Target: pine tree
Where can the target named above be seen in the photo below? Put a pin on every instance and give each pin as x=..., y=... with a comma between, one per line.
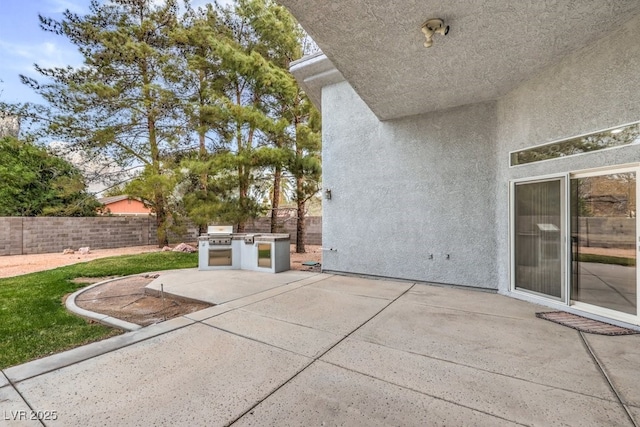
x=118, y=102
x=244, y=46
x=304, y=160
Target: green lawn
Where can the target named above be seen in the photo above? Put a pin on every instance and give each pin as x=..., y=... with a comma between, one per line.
x=33, y=320
x=607, y=259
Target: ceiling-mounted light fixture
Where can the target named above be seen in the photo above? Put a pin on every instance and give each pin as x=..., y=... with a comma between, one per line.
x=431, y=27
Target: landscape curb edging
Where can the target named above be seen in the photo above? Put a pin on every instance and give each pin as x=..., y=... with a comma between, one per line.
x=71, y=305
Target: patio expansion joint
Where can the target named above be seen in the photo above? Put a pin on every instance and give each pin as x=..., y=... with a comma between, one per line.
x=26, y=402
x=348, y=293
x=317, y=358
x=425, y=394
x=480, y=313
x=478, y=369
x=75, y=361
x=262, y=342
x=284, y=321
x=603, y=371
x=251, y=297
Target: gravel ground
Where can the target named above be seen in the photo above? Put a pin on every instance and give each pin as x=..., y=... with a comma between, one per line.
x=15, y=265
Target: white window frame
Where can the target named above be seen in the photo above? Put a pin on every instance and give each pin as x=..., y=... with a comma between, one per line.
x=564, y=255
x=594, y=309
x=566, y=250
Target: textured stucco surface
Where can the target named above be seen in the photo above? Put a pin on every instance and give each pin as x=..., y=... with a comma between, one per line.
x=492, y=46
x=405, y=189
x=594, y=88
x=438, y=183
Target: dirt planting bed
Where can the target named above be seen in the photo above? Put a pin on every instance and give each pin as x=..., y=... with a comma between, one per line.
x=125, y=299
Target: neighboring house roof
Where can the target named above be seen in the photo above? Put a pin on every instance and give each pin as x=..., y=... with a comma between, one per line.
x=490, y=49
x=124, y=205
x=113, y=199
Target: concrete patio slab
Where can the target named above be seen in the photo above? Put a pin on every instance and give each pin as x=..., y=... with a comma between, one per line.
x=14, y=412
x=386, y=289
x=635, y=413
x=329, y=311
x=621, y=356
x=510, y=398
x=253, y=298
x=3, y=380
x=298, y=339
x=220, y=286
x=431, y=355
x=471, y=300
x=530, y=349
x=210, y=312
x=66, y=358
x=329, y=395
x=193, y=376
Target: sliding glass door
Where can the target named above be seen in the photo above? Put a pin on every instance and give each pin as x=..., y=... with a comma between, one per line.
x=604, y=241
x=538, y=235
x=575, y=239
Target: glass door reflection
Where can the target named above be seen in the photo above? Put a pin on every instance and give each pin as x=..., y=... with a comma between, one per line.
x=603, y=235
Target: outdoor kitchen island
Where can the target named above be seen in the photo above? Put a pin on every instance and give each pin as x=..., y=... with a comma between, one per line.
x=221, y=249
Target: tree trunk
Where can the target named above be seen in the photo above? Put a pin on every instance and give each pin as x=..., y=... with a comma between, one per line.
x=161, y=219
x=158, y=198
x=300, y=224
x=204, y=176
x=275, y=201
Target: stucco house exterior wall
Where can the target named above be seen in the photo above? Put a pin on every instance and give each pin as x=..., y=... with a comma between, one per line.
x=427, y=197
x=421, y=186
x=597, y=87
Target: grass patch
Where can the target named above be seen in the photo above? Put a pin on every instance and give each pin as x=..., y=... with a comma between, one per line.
x=33, y=320
x=607, y=259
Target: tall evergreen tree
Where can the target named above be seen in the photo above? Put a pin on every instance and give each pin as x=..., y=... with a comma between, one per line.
x=199, y=82
x=242, y=46
x=304, y=160
x=297, y=139
x=118, y=101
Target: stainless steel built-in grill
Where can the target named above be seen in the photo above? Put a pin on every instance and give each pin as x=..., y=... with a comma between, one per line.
x=217, y=241
x=222, y=249
x=217, y=247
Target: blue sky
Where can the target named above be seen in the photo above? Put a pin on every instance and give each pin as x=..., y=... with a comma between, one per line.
x=23, y=43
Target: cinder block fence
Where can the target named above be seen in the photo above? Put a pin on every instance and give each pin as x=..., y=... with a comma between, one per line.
x=37, y=235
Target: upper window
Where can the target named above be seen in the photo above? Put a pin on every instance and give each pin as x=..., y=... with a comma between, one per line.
x=623, y=135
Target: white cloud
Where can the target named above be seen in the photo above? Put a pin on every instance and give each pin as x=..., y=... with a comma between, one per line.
x=46, y=54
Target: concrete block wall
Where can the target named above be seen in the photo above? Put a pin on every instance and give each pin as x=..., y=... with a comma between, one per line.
x=37, y=235
x=313, y=228
x=34, y=235
x=614, y=232
x=10, y=236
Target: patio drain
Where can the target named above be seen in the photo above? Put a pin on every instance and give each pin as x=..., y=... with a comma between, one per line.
x=583, y=324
